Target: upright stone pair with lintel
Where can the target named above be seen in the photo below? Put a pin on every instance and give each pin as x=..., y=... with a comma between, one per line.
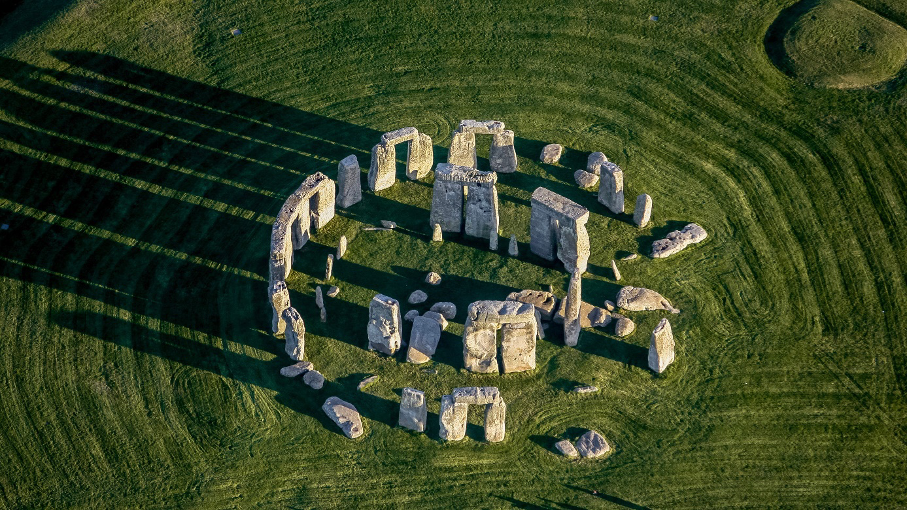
x=382, y=171
x=452, y=182
x=517, y=322
x=558, y=228
x=502, y=155
x=452, y=417
x=310, y=206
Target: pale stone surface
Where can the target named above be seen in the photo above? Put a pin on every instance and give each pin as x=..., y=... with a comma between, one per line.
x=558, y=229
x=349, y=182
x=384, y=324
x=388, y=224
x=572, y=311
x=424, y=339
x=280, y=301
x=494, y=423
x=502, y=156
x=437, y=317
x=333, y=291
x=598, y=317
x=615, y=272
x=543, y=301
x=592, y=444
x=452, y=419
x=661, y=347
x=433, y=278
x=590, y=316
x=297, y=369
x=314, y=379
x=447, y=309
x=500, y=312
x=329, y=267
x=481, y=215
x=294, y=334
x=594, y=161
x=479, y=353
x=419, y=157
x=643, y=209
x=341, y=247
x=609, y=305
x=345, y=415
x=611, y=188
x=319, y=299
x=632, y=256
x=412, y=414
x=366, y=382
x=518, y=346
x=481, y=127
x=436, y=233
x=624, y=326
x=412, y=314
x=585, y=179
x=463, y=149
x=448, y=208
x=417, y=297
x=512, y=246
x=566, y=448
x=493, y=240
x=383, y=166
x=476, y=395
x=678, y=240
x=400, y=135
x=638, y=299
x=551, y=153
x=585, y=389
x=310, y=206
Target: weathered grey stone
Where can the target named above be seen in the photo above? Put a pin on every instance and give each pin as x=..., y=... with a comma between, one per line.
x=615, y=272
x=388, y=224
x=643, y=209
x=314, y=379
x=678, y=240
x=543, y=301
x=502, y=155
x=447, y=309
x=433, y=278
x=609, y=305
x=594, y=161
x=484, y=127
x=448, y=199
x=424, y=339
x=592, y=444
x=341, y=247
x=624, y=326
x=412, y=314
x=310, y=206
x=333, y=291
x=436, y=233
x=400, y=135
x=345, y=415
x=661, y=347
x=383, y=166
x=590, y=316
x=280, y=301
x=512, y=246
x=319, y=299
x=437, y=317
x=329, y=267
x=452, y=419
x=323, y=314
x=518, y=346
x=611, y=188
x=551, y=153
x=494, y=423
x=638, y=299
x=297, y=369
x=384, y=324
x=419, y=157
x=294, y=334
x=632, y=256
x=413, y=410
x=479, y=354
x=540, y=328
x=493, y=240
x=417, y=297
x=598, y=317
x=366, y=382
x=500, y=312
x=585, y=389
x=566, y=448
x=585, y=179
x=481, y=215
x=557, y=228
x=349, y=182
x=476, y=395
x=572, y=311
x=463, y=149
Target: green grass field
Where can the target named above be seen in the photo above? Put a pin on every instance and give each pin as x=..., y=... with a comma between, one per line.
x=144, y=151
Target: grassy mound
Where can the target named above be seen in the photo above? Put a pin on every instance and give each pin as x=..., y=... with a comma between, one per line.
x=837, y=43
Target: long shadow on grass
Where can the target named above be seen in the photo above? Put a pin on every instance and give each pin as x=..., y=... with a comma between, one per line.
x=611, y=499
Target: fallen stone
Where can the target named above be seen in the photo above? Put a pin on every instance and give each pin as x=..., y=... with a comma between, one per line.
x=661, y=347
x=566, y=448
x=447, y=309
x=594, y=161
x=678, y=240
x=609, y=305
x=585, y=179
x=296, y=370
x=436, y=233
x=598, y=317
x=643, y=209
x=475, y=395
x=314, y=379
x=592, y=444
x=366, y=382
x=333, y=291
x=585, y=389
x=412, y=314
x=624, y=326
x=384, y=324
x=639, y=299
x=388, y=224
x=417, y=297
x=319, y=299
x=341, y=247
x=412, y=414
x=494, y=423
x=437, y=317
x=424, y=339
x=512, y=246
x=590, y=316
x=329, y=267
x=433, y=278
x=632, y=256
x=551, y=153
x=349, y=182
x=615, y=272
x=543, y=301
x=294, y=334
x=452, y=419
x=345, y=415
x=383, y=229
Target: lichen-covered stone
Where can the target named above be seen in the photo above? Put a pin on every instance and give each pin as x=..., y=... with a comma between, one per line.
x=297, y=369
x=447, y=309
x=341, y=247
x=479, y=352
x=349, y=182
x=592, y=444
x=494, y=423
x=319, y=298
x=424, y=339
x=615, y=272
x=452, y=419
x=412, y=414
x=572, y=311
x=678, y=240
x=624, y=326
x=594, y=161
x=419, y=157
x=329, y=267
x=433, y=278
x=476, y=395
x=512, y=246
x=661, y=347
x=611, y=187
x=481, y=214
x=384, y=324
x=566, y=448
x=383, y=167
x=502, y=156
x=417, y=297
x=345, y=415
x=639, y=299
x=280, y=301
x=314, y=379
x=643, y=209
x=436, y=233
x=551, y=153
x=437, y=317
x=558, y=229
x=544, y=302
x=463, y=149
x=585, y=179
x=518, y=346
x=294, y=334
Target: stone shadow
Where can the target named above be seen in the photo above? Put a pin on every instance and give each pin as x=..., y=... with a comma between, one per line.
x=611, y=499
x=645, y=243
x=610, y=347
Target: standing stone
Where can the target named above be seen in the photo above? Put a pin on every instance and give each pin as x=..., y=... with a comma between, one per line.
x=551, y=153
x=558, y=229
x=661, y=347
x=615, y=272
x=314, y=379
x=419, y=157
x=319, y=298
x=323, y=314
x=592, y=444
x=447, y=200
x=479, y=353
x=345, y=415
x=452, y=419
x=493, y=240
x=594, y=161
x=294, y=334
x=413, y=412
x=436, y=233
x=494, y=423
x=349, y=182
x=566, y=448
x=611, y=188
x=643, y=210
x=572, y=311
x=463, y=149
x=481, y=215
x=424, y=339
x=502, y=156
x=280, y=301
x=384, y=324
x=382, y=169
x=512, y=246
x=518, y=346
x=678, y=240
x=329, y=267
x=341, y=247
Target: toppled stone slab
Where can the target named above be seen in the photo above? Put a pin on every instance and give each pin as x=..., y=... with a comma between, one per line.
x=594, y=161
x=592, y=444
x=412, y=414
x=544, y=302
x=345, y=415
x=475, y=395
x=417, y=297
x=333, y=291
x=366, y=382
x=314, y=379
x=639, y=299
x=661, y=347
x=678, y=240
x=433, y=278
x=297, y=369
x=447, y=309
x=585, y=179
x=388, y=224
x=384, y=324
x=611, y=187
x=424, y=339
x=437, y=317
x=412, y=314
x=643, y=209
x=294, y=334
x=452, y=419
x=551, y=153
x=494, y=422
x=590, y=316
x=632, y=256
x=624, y=326
x=585, y=389
x=566, y=448
x=349, y=182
